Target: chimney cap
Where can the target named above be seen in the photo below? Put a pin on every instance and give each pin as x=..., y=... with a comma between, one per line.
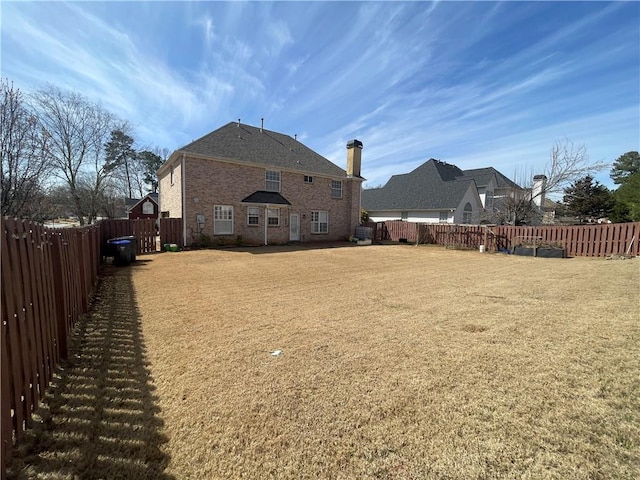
x=540, y=177
x=354, y=143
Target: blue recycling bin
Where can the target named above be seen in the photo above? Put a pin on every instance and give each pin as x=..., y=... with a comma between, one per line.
x=121, y=251
x=134, y=245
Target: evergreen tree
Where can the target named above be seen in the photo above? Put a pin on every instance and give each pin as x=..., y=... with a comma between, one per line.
x=588, y=200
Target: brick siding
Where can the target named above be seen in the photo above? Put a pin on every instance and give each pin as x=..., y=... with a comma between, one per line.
x=211, y=182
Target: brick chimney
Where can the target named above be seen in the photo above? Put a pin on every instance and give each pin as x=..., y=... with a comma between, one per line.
x=354, y=158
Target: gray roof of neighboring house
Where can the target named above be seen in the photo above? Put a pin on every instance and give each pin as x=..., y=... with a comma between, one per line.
x=244, y=143
x=482, y=176
x=434, y=185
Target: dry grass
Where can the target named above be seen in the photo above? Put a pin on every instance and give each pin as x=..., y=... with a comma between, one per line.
x=397, y=362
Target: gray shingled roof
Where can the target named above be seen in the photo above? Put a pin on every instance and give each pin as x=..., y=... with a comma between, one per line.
x=245, y=143
x=434, y=185
x=482, y=177
x=270, y=198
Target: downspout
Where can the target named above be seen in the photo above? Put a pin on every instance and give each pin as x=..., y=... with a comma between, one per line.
x=183, y=181
x=266, y=223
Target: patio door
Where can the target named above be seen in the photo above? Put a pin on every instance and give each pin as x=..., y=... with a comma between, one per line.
x=294, y=227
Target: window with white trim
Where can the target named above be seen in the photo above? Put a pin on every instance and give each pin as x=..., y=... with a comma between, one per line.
x=273, y=217
x=444, y=217
x=171, y=175
x=336, y=188
x=222, y=219
x=308, y=179
x=253, y=216
x=147, y=208
x=467, y=213
x=272, y=181
x=319, y=221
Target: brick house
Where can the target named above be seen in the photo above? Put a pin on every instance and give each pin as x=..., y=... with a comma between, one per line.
x=246, y=184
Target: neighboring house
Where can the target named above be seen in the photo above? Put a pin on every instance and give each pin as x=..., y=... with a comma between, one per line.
x=146, y=207
x=438, y=192
x=246, y=184
x=121, y=210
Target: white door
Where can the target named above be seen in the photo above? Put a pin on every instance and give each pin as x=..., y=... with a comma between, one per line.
x=294, y=227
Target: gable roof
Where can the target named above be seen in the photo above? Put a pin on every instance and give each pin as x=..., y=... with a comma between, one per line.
x=434, y=185
x=246, y=144
x=482, y=177
x=131, y=203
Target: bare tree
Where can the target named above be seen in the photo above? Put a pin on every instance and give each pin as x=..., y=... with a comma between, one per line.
x=567, y=163
x=24, y=167
x=76, y=131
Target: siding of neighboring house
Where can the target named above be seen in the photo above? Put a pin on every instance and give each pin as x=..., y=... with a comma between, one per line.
x=471, y=197
x=170, y=191
x=482, y=192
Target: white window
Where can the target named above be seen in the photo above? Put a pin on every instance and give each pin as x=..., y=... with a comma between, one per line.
x=147, y=208
x=272, y=181
x=336, y=188
x=171, y=176
x=444, y=217
x=308, y=179
x=222, y=220
x=253, y=215
x=319, y=221
x=467, y=213
x=488, y=200
x=273, y=217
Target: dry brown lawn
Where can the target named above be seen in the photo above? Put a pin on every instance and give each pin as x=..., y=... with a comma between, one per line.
x=397, y=362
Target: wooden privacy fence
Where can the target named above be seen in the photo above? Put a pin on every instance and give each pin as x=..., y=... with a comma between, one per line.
x=144, y=229
x=171, y=231
x=48, y=276
x=578, y=240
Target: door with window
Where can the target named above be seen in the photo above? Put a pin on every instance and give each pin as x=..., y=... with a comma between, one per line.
x=294, y=227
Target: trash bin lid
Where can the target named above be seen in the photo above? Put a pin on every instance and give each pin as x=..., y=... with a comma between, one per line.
x=119, y=242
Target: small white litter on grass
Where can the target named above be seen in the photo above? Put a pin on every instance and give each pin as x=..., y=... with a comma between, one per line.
x=275, y=353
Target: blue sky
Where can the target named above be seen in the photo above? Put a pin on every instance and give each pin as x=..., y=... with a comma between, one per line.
x=475, y=84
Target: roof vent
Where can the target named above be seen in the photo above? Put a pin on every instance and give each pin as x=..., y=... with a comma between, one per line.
x=261, y=124
x=238, y=122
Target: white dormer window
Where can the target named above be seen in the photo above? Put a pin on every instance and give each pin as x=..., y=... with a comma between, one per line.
x=147, y=208
x=272, y=181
